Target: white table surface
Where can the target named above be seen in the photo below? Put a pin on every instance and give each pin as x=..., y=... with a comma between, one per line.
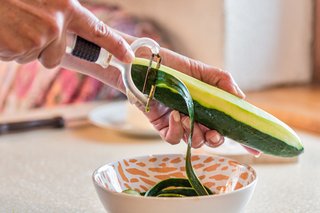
x=50, y=171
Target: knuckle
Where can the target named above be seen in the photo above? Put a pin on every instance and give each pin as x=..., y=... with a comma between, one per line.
x=227, y=76
x=50, y=64
x=196, y=68
x=16, y=50
x=101, y=29
x=120, y=43
x=196, y=65
x=67, y=6
x=6, y=58
x=121, y=48
x=53, y=29
x=37, y=43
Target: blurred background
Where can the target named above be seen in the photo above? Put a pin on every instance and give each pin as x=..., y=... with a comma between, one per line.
x=264, y=44
x=272, y=49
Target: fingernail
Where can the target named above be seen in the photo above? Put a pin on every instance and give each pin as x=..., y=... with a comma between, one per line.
x=252, y=151
x=186, y=123
x=198, y=145
x=238, y=91
x=257, y=155
x=215, y=139
x=176, y=116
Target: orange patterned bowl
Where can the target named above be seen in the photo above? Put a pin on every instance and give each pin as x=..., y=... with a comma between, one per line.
x=232, y=182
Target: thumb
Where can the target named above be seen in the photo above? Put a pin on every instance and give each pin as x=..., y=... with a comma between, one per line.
x=88, y=26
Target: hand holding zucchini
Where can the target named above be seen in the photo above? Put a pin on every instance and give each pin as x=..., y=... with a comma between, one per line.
x=219, y=110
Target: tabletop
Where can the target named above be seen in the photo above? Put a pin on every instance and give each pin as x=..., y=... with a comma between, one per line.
x=50, y=171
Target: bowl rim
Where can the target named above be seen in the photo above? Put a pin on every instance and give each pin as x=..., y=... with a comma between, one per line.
x=252, y=184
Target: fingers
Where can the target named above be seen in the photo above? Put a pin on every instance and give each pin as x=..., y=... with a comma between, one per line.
x=201, y=135
x=225, y=81
x=213, y=138
x=51, y=56
x=85, y=24
x=173, y=127
x=198, y=137
x=167, y=122
x=201, y=71
x=175, y=131
x=215, y=77
x=252, y=151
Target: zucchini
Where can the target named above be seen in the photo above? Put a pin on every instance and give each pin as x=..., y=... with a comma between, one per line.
x=186, y=191
x=229, y=115
x=174, y=186
x=177, y=86
x=131, y=192
x=170, y=195
x=176, y=182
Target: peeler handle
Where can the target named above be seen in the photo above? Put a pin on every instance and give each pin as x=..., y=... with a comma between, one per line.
x=85, y=50
x=89, y=51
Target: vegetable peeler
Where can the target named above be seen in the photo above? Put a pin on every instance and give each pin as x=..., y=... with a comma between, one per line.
x=91, y=52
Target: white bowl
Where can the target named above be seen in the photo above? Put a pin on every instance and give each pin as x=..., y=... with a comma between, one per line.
x=232, y=182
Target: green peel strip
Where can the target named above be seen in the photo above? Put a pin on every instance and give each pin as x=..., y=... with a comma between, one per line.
x=192, y=185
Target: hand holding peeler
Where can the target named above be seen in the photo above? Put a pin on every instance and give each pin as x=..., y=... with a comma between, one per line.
x=91, y=52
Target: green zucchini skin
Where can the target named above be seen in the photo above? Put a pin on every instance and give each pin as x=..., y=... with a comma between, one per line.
x=212, y=118
x=177, y=182
x=161, y=188
x=131, y=192
x=170, y=195
x=186, y=191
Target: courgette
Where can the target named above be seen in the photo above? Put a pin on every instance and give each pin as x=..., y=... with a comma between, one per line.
x=131, y=192
x=229, y=115
x=175, y=186
x=186, y=191
x=171, y=182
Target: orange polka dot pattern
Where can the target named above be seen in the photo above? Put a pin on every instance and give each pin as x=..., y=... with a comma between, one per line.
x=219, y=174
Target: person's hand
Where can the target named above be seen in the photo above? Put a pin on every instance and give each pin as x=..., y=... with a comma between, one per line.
x=32, y=29
x=172, y=125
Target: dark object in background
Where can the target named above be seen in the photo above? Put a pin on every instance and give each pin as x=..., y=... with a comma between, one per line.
x=55, y=122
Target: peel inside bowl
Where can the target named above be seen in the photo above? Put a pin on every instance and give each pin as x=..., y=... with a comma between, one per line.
x=233, y=182
x=220, y=174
